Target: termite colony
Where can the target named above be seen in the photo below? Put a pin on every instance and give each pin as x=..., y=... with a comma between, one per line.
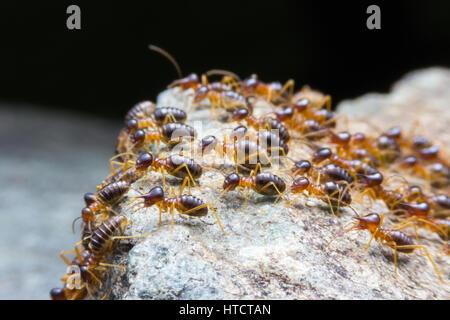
x=340, y=168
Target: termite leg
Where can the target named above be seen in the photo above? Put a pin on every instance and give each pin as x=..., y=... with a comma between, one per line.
x=189, y=173
x=113, y=266
x=188, y=181
x=214, y=211
x=245, y=202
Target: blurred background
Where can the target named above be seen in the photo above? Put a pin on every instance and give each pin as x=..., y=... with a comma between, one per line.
x=64, y=92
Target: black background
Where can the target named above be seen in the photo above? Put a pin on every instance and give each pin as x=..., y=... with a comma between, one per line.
x=105, y=67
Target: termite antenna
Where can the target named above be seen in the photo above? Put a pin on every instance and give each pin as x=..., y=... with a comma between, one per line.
x=222, y=73
x=354, y=210
x=168, y=56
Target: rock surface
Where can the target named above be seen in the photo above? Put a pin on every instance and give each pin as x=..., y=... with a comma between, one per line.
x=275, y=251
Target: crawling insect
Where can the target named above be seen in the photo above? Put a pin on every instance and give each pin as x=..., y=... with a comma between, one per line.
x=264, y=183
x=185, y=204
x=102, y=202
x=171, y=134
x=262, y=123
x=245, y=151
x=329, y=172
x=392, y=237
x=273, y=92
x=157, y=118
x=175, y=165
x=91, y=261
x=331, y=192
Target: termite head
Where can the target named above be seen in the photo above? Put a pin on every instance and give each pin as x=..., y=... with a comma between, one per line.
x=299, y=184
x=208, y=143
x=86, y=276
x=87, y=214
x=321, y=155
x=284, y=114
x=144, y=161
x=238, y=132
x=58, y=294
x=240, y=114
x=341, y=138
x=231, y=181
x=201, y=93
x=420, y=143
x=302, y=166
x=152, y=197
x=302, y=104
x=429, y=152
x=250, y=84
x=394, y=133
x=89, y=198
x=369, y=221
x=409, y=161
x=131, y=125
x=359, y=137
x=139, y=136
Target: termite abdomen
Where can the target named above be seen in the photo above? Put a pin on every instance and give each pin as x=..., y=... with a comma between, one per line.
x=401, y=239
x=175, y=130
x=168, y=114
x=113, y=192
x=177, y=161
x=141, y=110
x=336, y=173
x=188, y=202
x=265, y=184
x=102, y=235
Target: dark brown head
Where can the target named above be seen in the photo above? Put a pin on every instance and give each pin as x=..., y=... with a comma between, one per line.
x=284, y=114
x=144, y=161
x=420, y=143
x=302, y=104
x=415, y=209
x=299, y=184
x=238, y=132
x=154, y=196
x=414, y=192
x=139, y=137
x=240, y=114
x=302, y=166
x=89, y=198
x=231, y=182
x=201, y=93
x=409, y=161
x=394, y=133
x=321, y=155
x=359, y=137
x=341, y=138
x=186, y=82
x=370, y=180
x=429, y=152
x=208, y=143
x=131, y=125
x=58, y=294
x=370, y=221
x=87, y=215
x=249, y=84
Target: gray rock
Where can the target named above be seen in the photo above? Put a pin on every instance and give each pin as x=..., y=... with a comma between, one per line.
x=276, y=251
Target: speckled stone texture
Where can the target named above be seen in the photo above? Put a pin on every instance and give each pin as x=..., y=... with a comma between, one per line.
x=276, y=251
